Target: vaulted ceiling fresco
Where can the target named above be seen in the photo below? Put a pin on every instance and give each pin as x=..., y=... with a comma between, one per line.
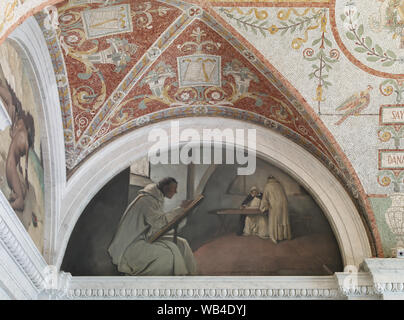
x=146, y=69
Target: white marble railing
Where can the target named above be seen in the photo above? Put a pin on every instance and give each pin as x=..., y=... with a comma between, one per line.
x=203, y=288
x=381, y=279
x=21, y=264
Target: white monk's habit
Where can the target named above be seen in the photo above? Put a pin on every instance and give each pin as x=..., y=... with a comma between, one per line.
x=275, y=201
x=131, y=252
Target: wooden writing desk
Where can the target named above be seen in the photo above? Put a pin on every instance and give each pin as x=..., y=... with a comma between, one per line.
x=238, y=211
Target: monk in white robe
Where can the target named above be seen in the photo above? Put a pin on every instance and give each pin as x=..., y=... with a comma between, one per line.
x=131, y=252
x=274, y=201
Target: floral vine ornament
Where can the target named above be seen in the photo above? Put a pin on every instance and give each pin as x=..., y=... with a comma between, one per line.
x=355, y=104
x=199, y=80
x=118, y=53
x=325, y=61
x=198, y=46
x=303, y=21
x=310, y=23
x=243, y=77
x=396, y=132
x=156, y=81
x=257, y=22
x=390, y=86
x=363, y=43
x=387, y=177
x=142, y=14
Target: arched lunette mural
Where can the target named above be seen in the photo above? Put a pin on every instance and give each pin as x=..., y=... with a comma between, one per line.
x=222, y=244
x=300, y=164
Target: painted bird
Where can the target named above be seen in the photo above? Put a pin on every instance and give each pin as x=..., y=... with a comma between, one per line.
x=355, y=104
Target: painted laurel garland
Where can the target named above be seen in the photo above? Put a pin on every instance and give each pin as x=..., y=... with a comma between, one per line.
x=293, y=21
x=364, y=44
x=256, y=21
x=324, y=61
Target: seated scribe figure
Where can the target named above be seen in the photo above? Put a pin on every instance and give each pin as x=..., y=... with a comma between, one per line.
x=130, y=250
x=255, y=225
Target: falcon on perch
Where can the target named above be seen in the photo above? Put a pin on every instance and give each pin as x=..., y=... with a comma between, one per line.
x=354, y=104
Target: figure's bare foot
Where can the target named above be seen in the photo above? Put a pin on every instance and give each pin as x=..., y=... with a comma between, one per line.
x=274, y=241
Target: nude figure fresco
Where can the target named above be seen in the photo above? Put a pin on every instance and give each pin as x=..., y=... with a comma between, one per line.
x=21, y=168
